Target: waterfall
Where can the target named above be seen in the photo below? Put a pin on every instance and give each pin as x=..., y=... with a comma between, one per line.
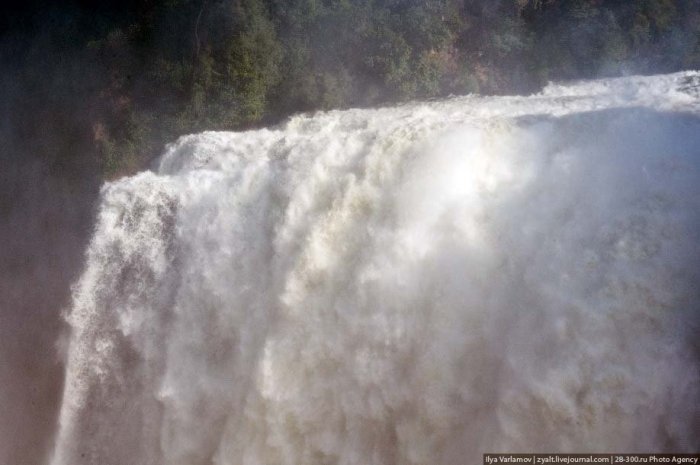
x=419, y=284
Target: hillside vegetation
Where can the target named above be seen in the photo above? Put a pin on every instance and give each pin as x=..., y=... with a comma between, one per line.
x=118, y=79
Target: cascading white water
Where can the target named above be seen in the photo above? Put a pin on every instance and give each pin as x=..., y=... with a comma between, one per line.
x=409, y=285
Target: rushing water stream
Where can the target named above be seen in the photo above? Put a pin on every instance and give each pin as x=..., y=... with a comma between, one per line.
x=409, y=285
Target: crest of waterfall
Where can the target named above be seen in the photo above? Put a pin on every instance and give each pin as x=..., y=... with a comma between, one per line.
x=411, y=285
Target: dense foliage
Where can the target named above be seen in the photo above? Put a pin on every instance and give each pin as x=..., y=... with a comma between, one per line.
x=125, y=77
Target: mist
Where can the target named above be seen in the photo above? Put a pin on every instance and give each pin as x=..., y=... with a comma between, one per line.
x=414, y=284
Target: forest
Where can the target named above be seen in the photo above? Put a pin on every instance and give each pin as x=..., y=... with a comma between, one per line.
x=114, y=81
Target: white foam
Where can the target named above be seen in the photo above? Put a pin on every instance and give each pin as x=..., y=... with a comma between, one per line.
x=409, y=285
